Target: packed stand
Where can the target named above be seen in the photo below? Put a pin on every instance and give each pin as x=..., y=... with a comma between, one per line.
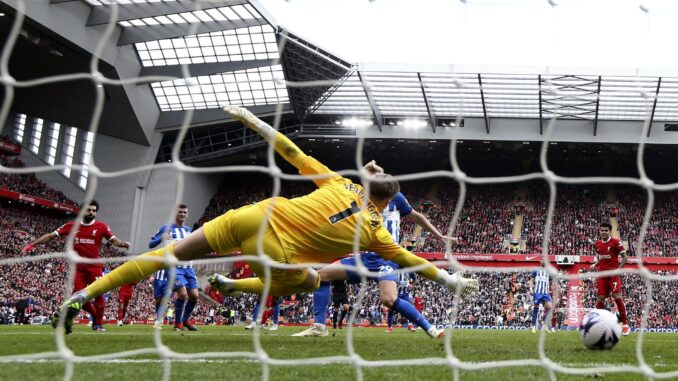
x=28, y=183
x=661, y=236
x=485, y=219
x=663, y=311
x=579, y=210
x=30, y=288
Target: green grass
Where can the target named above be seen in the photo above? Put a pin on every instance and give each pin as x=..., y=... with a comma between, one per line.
x=471, y=346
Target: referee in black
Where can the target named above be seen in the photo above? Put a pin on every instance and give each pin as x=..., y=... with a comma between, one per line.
x=339, y=299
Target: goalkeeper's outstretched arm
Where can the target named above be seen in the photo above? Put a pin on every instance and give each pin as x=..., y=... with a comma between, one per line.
x=284, y=146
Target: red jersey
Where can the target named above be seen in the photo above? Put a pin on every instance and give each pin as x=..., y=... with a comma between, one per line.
x=419, y=304
x=88, y=238
x=127, y=289
x=608, y=253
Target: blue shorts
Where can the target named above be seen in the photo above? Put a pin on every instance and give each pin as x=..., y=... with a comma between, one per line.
x=159, y=288
x=185, y=277
x=541, y=298
x=374, y=263
x=406, y=296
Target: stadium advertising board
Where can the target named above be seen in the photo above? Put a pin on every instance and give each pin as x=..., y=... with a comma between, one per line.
x=5, y=193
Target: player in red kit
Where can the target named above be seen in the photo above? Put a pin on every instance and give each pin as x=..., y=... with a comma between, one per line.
x=418, y=303
x=87, y=244
x=608, y=251
x=124, y=297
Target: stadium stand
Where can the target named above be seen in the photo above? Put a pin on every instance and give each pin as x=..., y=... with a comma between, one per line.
x=36, y=288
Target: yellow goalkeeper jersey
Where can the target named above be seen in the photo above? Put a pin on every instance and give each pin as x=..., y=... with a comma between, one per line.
x=321, y=226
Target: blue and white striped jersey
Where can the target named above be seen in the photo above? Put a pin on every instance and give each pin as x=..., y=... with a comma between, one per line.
x=404, y=282
x=176, y=233
x=397, y=208
x=542, y=281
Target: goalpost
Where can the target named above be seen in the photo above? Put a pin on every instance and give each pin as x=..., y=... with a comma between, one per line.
x=65, y=353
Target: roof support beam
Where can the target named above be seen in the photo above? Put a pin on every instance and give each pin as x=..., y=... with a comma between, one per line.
x=195, y=70
x=431, y=115
x=372, y=102
x=595, y=121
x=174, y=119
x=101, y=14
x=482, y=98
x=133, y=35
x=541, y=117
x=654, y=106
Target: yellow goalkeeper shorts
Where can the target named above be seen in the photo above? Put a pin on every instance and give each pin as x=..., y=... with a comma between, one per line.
x=238, y=229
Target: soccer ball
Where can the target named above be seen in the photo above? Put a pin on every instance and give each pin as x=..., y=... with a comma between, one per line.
x=599, y=330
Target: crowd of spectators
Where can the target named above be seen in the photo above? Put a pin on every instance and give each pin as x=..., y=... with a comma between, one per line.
x=28, y=184
x=577, y=214
x=29, y=288
x=36, y=287
x=484, y=221
x=663, y=309
x=661, y=235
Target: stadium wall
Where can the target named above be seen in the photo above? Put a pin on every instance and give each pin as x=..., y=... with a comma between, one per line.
x=135, y=205
x=118, y=195
x=53, y=178
x=159, y=199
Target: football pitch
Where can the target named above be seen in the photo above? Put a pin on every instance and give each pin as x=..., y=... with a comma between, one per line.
x=471, y=346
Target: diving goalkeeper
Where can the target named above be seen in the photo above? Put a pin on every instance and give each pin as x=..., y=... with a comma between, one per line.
x=318, y=227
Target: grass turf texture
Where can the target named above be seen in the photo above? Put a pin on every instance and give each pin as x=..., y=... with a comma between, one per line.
x=660, y=351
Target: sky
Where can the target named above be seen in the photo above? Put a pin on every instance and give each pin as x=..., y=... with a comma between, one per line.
x=573, y=33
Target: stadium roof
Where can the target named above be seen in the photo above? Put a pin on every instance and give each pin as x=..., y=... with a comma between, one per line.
x=232, y=51
x=450, y=95
x=168, y=33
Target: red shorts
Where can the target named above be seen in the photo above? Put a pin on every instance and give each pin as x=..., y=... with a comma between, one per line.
x=609, y=285
x=84, y=276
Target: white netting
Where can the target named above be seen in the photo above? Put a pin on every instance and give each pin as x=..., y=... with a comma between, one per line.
x=353, y=358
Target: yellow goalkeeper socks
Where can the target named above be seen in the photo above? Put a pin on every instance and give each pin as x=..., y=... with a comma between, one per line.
x=256, y=286
x=129, y=272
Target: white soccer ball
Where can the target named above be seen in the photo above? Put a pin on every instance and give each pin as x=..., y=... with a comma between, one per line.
x=599, y=330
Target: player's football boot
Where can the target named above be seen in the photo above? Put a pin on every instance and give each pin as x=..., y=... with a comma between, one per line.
x=190, y=327
x=553, y=329
x=389, y=329
x=119, y=323
x=436, y=333
x=72, y=308
x=626, y=330
x=272, y=327
x=313, y=331
x=533, y=329
x=98, y=328
x=179, y=327
x=223, y=284
x=411, y=328
x=250, y=326
x=157, y=325
x=465, y=286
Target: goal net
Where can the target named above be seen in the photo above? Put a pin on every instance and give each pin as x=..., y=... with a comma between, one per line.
x=446, y=104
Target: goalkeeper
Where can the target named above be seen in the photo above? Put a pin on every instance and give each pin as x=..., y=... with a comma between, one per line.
x=318, y=227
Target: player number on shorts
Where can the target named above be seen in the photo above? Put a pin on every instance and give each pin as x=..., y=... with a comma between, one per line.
x=345, y=213
x=614, y=285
